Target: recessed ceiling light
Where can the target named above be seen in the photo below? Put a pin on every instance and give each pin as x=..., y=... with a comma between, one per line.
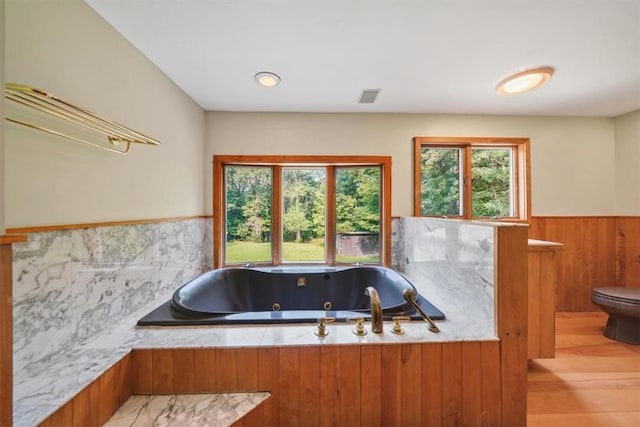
x=267, y=79
x=524, y=81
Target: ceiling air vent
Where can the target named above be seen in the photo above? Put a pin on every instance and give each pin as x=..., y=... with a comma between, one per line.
x=369, y=96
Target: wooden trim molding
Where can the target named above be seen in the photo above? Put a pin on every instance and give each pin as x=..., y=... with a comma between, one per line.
x=8, y=239
x=6, y=336
x=60, y=227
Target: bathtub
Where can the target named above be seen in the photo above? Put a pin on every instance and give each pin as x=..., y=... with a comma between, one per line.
x=293, y=294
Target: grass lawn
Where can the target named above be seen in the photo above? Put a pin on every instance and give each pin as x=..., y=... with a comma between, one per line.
x=238, y=252
x=255, y=252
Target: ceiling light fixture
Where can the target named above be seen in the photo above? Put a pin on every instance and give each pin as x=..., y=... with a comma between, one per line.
x=524, y=81
x=267, y=79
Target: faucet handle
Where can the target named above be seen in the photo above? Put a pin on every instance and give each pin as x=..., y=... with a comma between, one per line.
x=397, y=327
x=359, y=329
x=321, y=330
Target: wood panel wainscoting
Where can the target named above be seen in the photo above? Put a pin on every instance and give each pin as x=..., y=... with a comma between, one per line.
x=413, y=383
x=6, y=328
x=542, y=299
x=598, y=251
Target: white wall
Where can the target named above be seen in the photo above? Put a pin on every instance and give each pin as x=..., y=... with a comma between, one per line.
x=76, y=55
x=572, y=159
x=627, y=153
x=65, y=48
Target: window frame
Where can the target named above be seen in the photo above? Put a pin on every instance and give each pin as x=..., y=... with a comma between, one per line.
x=522, y=181
x=277, y=163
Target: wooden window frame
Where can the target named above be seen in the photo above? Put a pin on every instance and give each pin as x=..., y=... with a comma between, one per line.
x=277, y=163
x=522, y=177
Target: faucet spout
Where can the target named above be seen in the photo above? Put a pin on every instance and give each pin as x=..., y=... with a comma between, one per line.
x=376, y=309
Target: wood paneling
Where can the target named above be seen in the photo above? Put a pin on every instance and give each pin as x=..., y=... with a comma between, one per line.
x=408, y=384
x=628, y=251
x=330, y=386
x=289, y=386
x=350, y=386
x=431, y=400
x=471, y=362
x=205, y=360
x=542, y=302
x=371, y=385
x=451, y=385
x=411, y=369
x=6, y=337
x=97, y=402
x=162, y=371
x=142, y=374
x=391, y=384
x=491, y=400
x=184, y=371
x=511, y=297
x=310, y=385
x=599, y=251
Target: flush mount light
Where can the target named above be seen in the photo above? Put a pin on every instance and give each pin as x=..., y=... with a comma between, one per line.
x=267, y=79
x=524, y=81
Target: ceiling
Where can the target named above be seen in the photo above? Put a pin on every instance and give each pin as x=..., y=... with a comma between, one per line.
x=427, y=56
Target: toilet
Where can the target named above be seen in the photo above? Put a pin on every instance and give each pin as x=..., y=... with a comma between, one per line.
x=623, y=307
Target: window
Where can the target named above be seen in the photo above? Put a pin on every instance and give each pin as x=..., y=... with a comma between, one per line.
x=472, y=178
x=301, y=209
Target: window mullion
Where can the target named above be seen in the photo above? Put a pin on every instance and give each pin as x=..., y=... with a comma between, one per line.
x=330, y=216
x=466, y=166
x=276, y=215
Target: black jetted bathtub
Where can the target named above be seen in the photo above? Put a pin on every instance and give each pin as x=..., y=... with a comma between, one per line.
x=286, y=295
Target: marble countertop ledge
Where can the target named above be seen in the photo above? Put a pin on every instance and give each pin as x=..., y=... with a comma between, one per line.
x=38, y=395
x=214, y=410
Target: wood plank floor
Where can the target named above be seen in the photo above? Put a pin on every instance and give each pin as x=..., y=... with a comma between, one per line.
x=593, y=381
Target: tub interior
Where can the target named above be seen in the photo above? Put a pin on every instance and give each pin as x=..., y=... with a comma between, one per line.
x=281, y=295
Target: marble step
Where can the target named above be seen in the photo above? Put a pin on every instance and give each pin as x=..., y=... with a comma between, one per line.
x=215, y=410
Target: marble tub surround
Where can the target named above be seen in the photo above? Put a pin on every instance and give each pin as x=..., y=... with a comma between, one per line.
x=70, y=285
x=451, y=263
x=214, y=410
x=64, y=375
x=469, y=266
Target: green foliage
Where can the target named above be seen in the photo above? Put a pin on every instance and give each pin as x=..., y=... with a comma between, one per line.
x=358, y=199
x=303, y=217
x=248, y=202
x=440, y=181
x=490, y=182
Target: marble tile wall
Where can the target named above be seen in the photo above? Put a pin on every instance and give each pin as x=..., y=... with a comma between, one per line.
x=70, y=285
x=451, y=263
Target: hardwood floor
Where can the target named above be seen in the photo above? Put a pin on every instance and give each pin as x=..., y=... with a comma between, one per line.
x=593, y=381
